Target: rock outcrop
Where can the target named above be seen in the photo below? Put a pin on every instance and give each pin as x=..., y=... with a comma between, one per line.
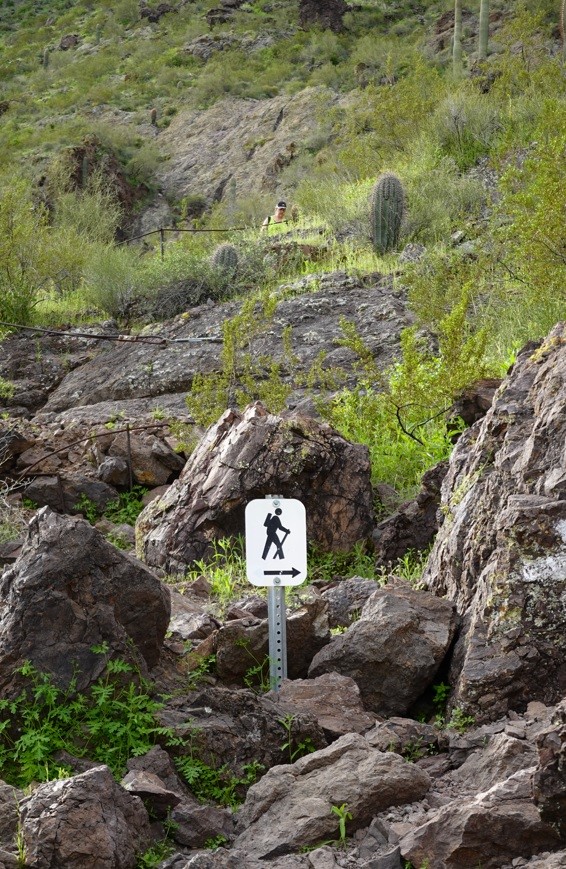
x=88, y=594
x=249, y=455
x=395, y=648
x=501, y=552
x=84, y=822
x=292, y=805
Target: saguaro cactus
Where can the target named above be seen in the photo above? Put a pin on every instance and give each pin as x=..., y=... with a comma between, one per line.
x=225, y=258
x=483, y=29
x=457, y=44
x=387, y=205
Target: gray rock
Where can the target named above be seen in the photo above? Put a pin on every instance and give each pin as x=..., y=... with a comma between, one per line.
x=152, y=791
x=346, y=599
x=249, y=455
x=332, y=699
x=501, y=552
x=291, y=805
x=85, y=822
x=550, y=777
x=490, y=829
x=394, y=650
x=239, y=728
x=87, y=593
x=196, y=824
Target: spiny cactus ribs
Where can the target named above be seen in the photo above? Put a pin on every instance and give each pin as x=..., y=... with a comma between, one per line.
x=387, y=206
x=225, y=257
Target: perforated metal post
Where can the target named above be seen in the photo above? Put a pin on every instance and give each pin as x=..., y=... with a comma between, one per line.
x=277, y=620
x=277, y=624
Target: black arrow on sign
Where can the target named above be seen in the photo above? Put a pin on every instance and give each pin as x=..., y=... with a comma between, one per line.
x=294, y=572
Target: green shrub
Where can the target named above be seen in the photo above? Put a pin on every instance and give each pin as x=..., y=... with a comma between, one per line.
x=110, y=724
x=111, y=279
x=404, y=425
x=26, y=264
x=466, y=125
x=439, y=198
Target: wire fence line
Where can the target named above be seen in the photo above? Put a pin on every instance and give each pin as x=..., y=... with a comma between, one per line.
x=155, y=340
x=163, y=229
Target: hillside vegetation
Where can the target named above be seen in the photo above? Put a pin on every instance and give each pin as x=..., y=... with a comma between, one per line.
x=479, y=150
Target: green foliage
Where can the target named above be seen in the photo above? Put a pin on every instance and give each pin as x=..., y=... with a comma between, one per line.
x=405, y=426
x=459, y=721
x=326, y=566
x=124, y=510
x=113, y=722
x=87, y=507
x=224, y=568
x=343, y=817
x=440, y=696
x=387, y=206
x=24, y=256
x=244, y=377
x=111, y=277
x=532, y=233
x=127, y=508
x=155, y=855
x=291, y=747
x=199, y=673
x=257, y=677
x=410, y=566
x=216, y=785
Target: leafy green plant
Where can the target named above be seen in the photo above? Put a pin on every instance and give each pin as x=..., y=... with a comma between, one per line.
x=127, y=508
x=411, y=565
x=155, y=855
x=257, y=677
x=343, y=817
x=216, y=785
x=224, y=569
x=440, y=696
x=459, y=720
x=215, y=842
x=111, y=723
x=294, y=749
x=326, y=566
x=88, y=508
x=198, y=673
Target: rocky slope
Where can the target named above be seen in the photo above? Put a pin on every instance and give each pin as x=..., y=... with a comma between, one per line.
x=484, y=786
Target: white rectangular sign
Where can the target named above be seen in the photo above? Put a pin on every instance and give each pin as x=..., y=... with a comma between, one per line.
x=276, y=542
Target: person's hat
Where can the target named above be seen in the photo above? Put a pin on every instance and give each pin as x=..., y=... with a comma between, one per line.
x=281, y=204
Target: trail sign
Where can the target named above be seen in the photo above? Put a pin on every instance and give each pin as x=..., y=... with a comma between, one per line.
x=276, y=542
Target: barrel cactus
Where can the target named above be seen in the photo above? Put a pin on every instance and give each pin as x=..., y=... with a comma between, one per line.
x=225, y=258
x=387, y=205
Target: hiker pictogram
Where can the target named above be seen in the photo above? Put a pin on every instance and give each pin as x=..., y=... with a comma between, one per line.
x=276, y=542
x=274, y=526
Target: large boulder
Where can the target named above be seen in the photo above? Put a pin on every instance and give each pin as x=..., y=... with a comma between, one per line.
x=249, y=455
x=85, y=822
x=550, y=777
x=324, y=13
x=291, y=806
x=239, y=728
x=394, y=650
x=501, y=552
x=489, y=830
x=71, y=590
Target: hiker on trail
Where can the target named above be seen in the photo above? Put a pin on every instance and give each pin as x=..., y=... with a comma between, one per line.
x=277, y=217
x=273, y=525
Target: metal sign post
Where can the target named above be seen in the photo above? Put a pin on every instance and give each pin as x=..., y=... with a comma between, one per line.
x=276, y=556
